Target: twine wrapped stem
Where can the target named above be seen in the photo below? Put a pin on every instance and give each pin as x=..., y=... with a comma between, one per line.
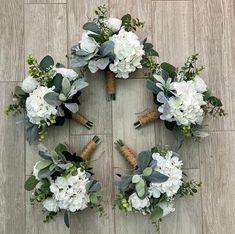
x=147, y=118
x=87, y=151
x=77, y=117
x=110, y=85
x=127, y=153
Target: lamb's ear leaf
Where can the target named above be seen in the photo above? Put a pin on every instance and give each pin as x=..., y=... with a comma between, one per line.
x=66, y=86
x=156, y=213
x=60, y=148
x=140, y=188
x=151, y=85
x=73, y=107
x=144, y=159
x=52, y=99
x=31, y=183
x=91, y=26
x=43, y=164
x=46, y=63
x=66, y=218
x=156, y=177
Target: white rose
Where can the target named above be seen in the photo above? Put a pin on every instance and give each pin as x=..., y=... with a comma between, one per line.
x=29, y=84
x=51, y=205
x=88, y=44
x=65, y=72
x=167, y=208
x=199, y=84
x=138, y=203
x=114, y=24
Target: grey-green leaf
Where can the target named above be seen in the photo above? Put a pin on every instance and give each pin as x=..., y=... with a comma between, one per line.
x=140, y=188
x=156, y=177
x=43, y=164
x=144, y=159
x=66, y=218
x=46, y=63
x=66, y=86
x=52, y=99
x=73, y=107
x=106, y=48
x=136, y=179
x=147, y=171
x=32, y=133
x=91, y=26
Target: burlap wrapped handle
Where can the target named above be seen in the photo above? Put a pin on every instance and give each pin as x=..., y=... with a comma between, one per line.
x=127, y=153
x=77, y=117
x=110, y=85
x=147, y=118
x=87, y=151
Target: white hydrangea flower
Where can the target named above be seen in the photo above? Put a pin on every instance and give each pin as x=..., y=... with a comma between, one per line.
x=185, y=107
x=113, y=23
x=170, y=166
x=199, y=84
x=88, y=44
x=167, y=207
x=65, y=72
x=138, y=203
x=128, y=53
x=37, y=108
x=70, y=192
x=29, y=84
x=51, y=205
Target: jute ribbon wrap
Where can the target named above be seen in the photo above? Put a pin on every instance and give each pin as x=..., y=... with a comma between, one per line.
x=110, y=82
x=79, y=118
x=149, y=117
x=129, y=155
x=88, y=150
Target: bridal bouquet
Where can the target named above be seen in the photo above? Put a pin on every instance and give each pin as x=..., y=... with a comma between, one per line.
x=182, y=97
x=111, y=44
x=62, y=182
x=49, y=95
x=154, y=184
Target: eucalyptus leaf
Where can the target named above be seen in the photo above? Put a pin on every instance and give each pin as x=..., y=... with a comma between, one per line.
x=156, y=213
x=94, y=186
x=77, y=86
x=102, y=63
x=124, y=183
x=19, y=91
x=91, y=26
x=73, y=107
x=93, y=66
x=52, y=99
x=31, y=183
x=151, y=85
x=46, y=63
x=43, y=164
x=140, y=188
x=57, y=82
x=106, y=48
x=66, y=86
x=78, y=62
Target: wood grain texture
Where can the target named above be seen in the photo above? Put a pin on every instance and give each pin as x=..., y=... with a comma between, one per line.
x=173, y=33
x=214, y=37
x=131, y=99
x=11, y=40
x=187, y=217
x=12, y=201
x=218, y=194
x=45, y=1
x=88, y=221
x=46, y=30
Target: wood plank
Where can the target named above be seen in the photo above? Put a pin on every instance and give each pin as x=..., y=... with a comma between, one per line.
x=12, y=199
x=187, y=217
x=45, y=27
x=218, y=194
x=173, y=33
x=214, y=37
x=45, y=1
x=11, y=40
x=131, y=99
x=88, y=221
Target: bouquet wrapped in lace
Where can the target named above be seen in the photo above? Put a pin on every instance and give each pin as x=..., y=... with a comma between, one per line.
x=62, y=182
x=154, y=184
x=182, y=98
x=110, y=44
x=49, y=95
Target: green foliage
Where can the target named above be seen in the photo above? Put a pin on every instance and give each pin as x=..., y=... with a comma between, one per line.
x=156, y=214
x=30, y=183
x=189, y=188
x=66, y=218
x=91, y=26
x=130, y=23
x=186, y=130
x=49, y=217
x=47, y=63
x=214, y=106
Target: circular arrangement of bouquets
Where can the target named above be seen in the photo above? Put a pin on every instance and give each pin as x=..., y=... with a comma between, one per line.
x=62, y=181
x=111, y=44
x=182, y=98
x=154, y=184
x=49, y=96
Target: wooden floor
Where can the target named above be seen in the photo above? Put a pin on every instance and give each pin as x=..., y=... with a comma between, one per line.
x=177, y=29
